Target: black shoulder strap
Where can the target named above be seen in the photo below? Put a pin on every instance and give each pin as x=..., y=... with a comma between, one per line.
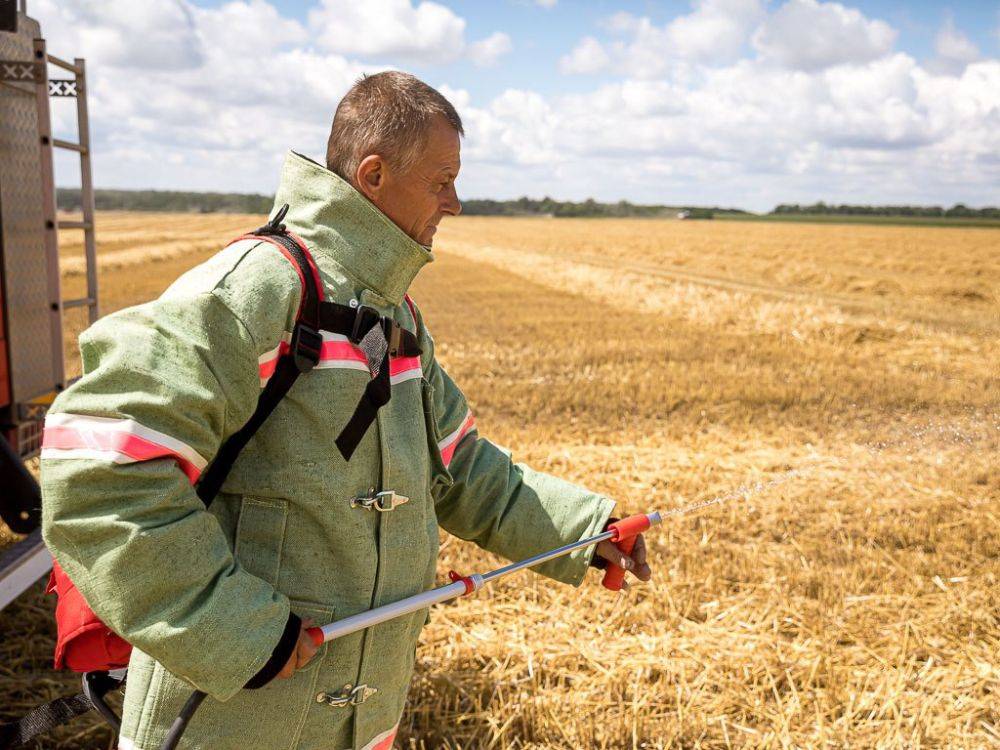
x=302, y=356
x=96, y=685
x=42, y=719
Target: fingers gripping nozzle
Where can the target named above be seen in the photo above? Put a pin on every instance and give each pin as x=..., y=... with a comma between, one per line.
x=624, y=534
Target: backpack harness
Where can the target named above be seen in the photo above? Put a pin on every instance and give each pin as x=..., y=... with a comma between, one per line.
x=84, y=643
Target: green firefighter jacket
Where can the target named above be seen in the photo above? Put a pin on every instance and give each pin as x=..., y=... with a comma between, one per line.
x=204, y=595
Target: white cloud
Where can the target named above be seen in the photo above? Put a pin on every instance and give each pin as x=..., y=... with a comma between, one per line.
x=141, y=35
x=488, y=51
x=218, y=112
x=254, y=23
x=589, y=56
x=427, y=32
x=714, y=33
x=400, y=31
x=811, y=35
x=953, y=50
x=546, y=3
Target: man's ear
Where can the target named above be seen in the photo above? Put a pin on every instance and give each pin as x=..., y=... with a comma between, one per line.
x=370, y=176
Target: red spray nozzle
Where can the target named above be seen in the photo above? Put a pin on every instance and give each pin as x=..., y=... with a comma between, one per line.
x=624, y=533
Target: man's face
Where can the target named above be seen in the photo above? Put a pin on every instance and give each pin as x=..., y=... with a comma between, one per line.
x=416, y=200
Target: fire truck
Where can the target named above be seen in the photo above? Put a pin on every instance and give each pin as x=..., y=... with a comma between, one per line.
x=32, y=304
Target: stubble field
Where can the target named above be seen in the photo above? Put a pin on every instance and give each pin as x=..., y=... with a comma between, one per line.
x=837, y=386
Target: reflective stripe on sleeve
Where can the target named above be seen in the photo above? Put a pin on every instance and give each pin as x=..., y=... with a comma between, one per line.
x=121, y=441
x=448, y=445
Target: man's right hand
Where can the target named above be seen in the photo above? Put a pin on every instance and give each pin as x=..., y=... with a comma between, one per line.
x=305, y=649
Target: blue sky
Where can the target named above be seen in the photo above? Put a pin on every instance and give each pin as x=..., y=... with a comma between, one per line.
x=727, y=102
x=543, y=34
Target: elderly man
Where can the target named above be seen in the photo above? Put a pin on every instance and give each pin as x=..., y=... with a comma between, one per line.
x=218, y=598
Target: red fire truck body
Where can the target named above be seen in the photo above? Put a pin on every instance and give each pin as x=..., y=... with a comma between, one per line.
x=31, y=304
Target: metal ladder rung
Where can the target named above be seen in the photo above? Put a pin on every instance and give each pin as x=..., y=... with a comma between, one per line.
x=81, y=302
x=75, y=225
x=59, y=63
x=69, y=146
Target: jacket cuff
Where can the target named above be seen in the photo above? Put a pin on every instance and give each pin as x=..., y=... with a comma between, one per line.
x=581, y=558
x=280, y=656
x=596, y=561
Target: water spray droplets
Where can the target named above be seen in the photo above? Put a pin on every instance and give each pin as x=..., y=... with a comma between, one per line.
x=911, y=439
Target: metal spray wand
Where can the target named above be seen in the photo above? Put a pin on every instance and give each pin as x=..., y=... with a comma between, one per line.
x=623, y=533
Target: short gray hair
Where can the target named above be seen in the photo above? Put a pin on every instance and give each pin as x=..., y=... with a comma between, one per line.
x=387, y=114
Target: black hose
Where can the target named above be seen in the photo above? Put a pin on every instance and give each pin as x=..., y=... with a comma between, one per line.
x=182, y=720
x=21, y=504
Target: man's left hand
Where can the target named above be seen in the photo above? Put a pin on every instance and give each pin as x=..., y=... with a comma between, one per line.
x=634, y=563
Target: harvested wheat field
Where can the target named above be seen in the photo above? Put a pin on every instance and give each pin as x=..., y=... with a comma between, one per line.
x=835, y=388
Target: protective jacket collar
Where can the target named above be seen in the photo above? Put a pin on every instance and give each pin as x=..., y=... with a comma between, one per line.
x=337, y=221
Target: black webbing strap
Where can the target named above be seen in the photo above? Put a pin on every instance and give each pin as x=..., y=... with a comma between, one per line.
x=42, y=719
x=303, y=354
x=379, y=338
x=211, y=481
x=62, y=710
x=377, y=394
x=312, y=294
x=355, y=322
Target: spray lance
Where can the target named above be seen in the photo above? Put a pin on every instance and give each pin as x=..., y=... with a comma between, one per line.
x=623, y=533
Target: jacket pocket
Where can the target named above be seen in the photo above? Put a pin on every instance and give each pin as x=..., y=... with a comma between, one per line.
x=320, y=615
x=439, y=472
x=260, y=534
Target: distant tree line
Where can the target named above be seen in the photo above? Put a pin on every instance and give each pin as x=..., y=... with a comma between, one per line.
x=68, y=199
x=958, y=211
x=547, y=206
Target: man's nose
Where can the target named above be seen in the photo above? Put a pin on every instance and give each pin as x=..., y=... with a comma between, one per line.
x=451, y=205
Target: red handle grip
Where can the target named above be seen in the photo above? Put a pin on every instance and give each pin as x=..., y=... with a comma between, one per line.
x=625, y=532
x=614, y=576
x=317, y=635
x=631, y=526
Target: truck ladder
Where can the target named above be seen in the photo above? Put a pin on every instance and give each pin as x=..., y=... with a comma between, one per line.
x=66, y=87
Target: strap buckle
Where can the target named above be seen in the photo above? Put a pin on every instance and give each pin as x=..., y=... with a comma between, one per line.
x=393, y=335
x=364, y=319
x=383, y=502
x=274, y=226
x=306, y=347
x=96, y=685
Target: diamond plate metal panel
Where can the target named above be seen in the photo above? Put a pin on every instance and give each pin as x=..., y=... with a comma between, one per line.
x=22, y=231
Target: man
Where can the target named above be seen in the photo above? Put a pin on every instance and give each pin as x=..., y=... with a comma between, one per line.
x=218, y=599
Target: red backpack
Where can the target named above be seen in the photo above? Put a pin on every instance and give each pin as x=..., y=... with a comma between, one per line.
x=84, y=643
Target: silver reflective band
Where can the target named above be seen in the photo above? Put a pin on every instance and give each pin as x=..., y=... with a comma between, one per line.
x=349, y=696
x=381, y=501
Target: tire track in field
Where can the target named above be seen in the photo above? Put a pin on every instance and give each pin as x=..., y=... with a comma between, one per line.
x=986, y=322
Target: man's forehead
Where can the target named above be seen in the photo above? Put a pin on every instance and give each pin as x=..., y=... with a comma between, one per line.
x=444, y=146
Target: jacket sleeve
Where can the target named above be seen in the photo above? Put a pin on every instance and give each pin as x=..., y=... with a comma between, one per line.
x=164, y=383
x=505, y=507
